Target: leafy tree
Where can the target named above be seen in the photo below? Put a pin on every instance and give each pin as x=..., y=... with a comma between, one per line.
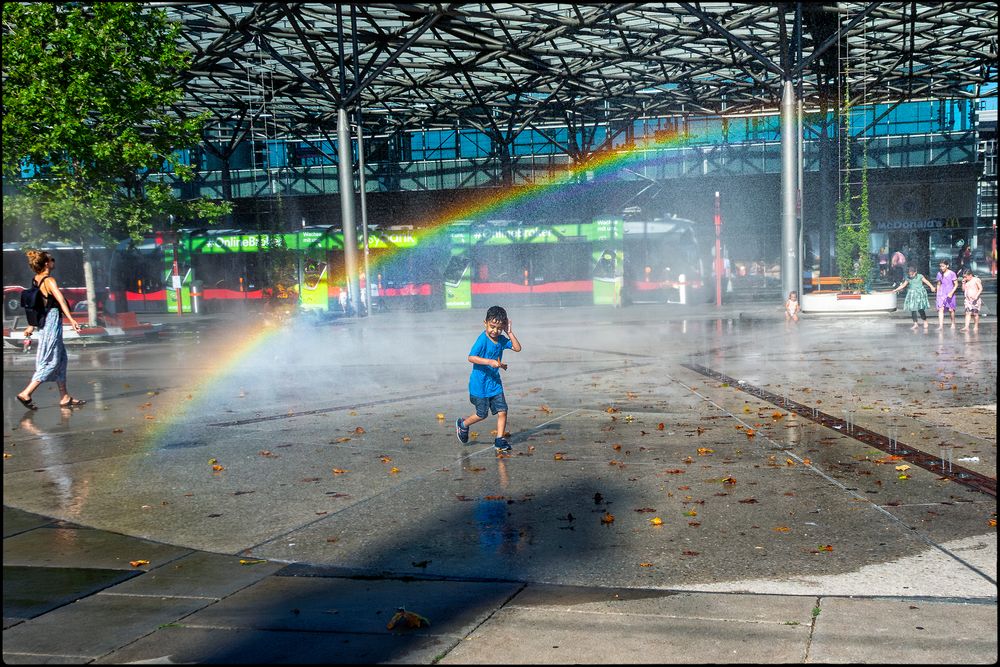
x=87, y=95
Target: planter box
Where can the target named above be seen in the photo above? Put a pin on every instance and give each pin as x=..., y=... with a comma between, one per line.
x=835, y=303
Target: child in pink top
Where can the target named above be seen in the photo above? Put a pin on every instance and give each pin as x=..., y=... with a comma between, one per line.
x=972, y=286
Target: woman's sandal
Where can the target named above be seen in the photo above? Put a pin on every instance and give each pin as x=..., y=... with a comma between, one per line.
x=72, y=403
x=28, y=403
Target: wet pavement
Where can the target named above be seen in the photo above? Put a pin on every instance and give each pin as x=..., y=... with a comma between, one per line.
x=292, y=486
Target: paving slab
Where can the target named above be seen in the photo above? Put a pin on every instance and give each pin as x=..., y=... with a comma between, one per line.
x=904, y=631
x=76, y=546
x=198, y=574
x=31, y=591
x=185, y=645
x=542, y=636
x=321, y=604
x=15, y=521
x=94, y=626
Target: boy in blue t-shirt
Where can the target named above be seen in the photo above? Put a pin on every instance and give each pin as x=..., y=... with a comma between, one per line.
x=485, y=387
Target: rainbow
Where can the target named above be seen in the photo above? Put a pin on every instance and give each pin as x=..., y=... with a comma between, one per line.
x=600, y=166
x=216, y=370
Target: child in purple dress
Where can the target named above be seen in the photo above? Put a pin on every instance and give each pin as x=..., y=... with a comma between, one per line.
x=947, y=283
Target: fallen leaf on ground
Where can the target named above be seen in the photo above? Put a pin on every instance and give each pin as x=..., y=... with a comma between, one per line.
x=608, y=518
x=748, y=501
x=394, y=470
x=782, y=529
x=217, y=468
x=359, y=430
x=406, y=619
x=138, y=563
x=826, y=547
x=385, y=459
x=645, y=565
x=661, y=426
x=338, y=471
x=440, y=416
x=252, y=561
x=729, y=480
x=656, y=521
x=646, y=509
x=705, y=451
x=690, y=553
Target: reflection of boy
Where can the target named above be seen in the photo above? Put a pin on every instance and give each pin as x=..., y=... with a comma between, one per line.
x=485, y=385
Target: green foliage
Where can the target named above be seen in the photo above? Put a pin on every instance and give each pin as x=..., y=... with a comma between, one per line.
x=87, y=94
x=853, y=226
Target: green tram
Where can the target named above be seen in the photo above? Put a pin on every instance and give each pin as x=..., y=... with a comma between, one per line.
x=556, y=264
x=467, y=264
x=227, y=267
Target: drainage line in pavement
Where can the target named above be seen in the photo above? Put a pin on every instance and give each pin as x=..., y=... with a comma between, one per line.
x=936, y=465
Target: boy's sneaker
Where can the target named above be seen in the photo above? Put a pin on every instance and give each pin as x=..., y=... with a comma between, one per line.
x=501, y=445
x=461, y=431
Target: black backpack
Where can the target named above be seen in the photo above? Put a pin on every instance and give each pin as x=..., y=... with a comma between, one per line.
x=33, y=302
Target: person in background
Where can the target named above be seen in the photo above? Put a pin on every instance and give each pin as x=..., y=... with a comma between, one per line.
x=972, y=288
x=51, y=359
x=792, y=307
x=898, y=263
x=916, y=296
x=947, y=283
x=883, y=262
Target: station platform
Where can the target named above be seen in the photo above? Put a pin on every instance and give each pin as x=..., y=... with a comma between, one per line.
x=687, y=485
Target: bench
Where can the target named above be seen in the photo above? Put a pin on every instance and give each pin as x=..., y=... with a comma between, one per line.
x=833, y=280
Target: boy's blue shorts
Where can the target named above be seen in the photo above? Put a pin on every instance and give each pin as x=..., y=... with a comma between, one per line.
x=484, y=404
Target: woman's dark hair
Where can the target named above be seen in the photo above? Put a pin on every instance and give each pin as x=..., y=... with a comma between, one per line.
x=496, y=314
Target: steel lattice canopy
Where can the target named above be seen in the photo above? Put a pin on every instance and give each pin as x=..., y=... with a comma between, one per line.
x=499, y=67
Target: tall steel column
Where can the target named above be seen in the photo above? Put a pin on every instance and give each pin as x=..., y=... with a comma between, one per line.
x=345, y=171
x=364, y=215
x=790, y=264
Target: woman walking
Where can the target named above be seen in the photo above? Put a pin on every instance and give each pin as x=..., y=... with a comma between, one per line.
x=51, y=359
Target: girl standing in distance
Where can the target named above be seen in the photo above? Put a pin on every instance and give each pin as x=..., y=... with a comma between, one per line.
x=972, y=286
x=916, y=296
x=947, y=283
x=51, y=359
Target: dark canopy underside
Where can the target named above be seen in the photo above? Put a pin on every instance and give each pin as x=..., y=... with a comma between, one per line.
x=497, y=67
